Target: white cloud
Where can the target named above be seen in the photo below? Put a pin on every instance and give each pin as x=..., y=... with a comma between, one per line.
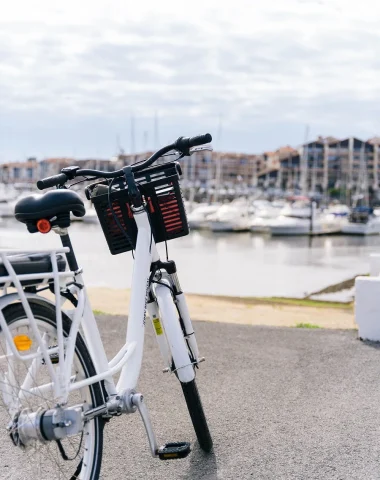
x=278, y=61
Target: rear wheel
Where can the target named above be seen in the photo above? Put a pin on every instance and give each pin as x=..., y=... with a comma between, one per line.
x=83, y=451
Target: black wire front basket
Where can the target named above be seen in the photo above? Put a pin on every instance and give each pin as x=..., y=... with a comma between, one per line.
x=162, y=197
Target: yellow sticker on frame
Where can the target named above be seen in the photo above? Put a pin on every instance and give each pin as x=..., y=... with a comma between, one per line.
x=157, y=326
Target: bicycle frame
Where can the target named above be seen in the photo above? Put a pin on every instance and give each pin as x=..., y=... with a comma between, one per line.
x=129, y=358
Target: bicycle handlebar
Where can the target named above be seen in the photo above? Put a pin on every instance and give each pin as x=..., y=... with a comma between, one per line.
x=182, y=144
x=53, y=181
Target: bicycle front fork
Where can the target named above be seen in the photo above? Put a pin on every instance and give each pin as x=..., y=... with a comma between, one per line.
x=170, y=277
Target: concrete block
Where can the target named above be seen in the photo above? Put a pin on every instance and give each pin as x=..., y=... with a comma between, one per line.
x=367, y=307
x=374, y=262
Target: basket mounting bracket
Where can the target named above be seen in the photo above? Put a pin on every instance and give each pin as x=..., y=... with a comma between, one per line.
x=134, y=192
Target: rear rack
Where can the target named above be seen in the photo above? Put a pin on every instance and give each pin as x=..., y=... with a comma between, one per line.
x=162, y=196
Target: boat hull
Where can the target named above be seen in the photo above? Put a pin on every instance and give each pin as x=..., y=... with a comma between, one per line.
x=198, y=224
x=361, y=229
x=291, y=227
x=227, y=227
x=290, y=231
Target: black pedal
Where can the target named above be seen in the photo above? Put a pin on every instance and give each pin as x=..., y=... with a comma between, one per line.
x=171, y=451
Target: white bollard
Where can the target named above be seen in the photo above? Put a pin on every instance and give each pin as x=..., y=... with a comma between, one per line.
x=367, y=307
x=374, y=260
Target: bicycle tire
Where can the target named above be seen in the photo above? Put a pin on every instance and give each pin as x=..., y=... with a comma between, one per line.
x=197, y=415
x=45, y=313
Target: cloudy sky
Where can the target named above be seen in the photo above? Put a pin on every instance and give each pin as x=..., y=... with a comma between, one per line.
x=253, y=73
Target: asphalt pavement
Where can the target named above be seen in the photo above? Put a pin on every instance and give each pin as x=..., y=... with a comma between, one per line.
x=282, y=403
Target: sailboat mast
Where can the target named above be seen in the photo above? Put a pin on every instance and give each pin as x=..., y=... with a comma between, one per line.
x=304, y=166
x=218, y=174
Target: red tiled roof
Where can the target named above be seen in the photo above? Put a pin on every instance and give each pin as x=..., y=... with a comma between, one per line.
x=286, y=149
x=19, y=165
x=58, y=160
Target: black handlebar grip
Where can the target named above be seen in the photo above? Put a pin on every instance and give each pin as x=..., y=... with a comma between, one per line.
x=183, y=144
x=199, y=140
x=53, y=181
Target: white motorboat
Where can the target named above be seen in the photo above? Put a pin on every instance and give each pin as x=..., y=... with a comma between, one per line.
x=362, y=221
x=6, y=209
x=297, y=209
x=232, y=217
x=199, y=217
x=8, y=192
x=264, y=214
x=339, y=210
x=260, y=224
x=297, y=220
x=322, y=224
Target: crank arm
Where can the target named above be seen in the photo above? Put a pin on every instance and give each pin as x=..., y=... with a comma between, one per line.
x=138, y=401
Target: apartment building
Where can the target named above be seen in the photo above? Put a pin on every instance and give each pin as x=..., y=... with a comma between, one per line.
x=19, y=172
x=30, y=171
x=280, y=168
x=351, y=164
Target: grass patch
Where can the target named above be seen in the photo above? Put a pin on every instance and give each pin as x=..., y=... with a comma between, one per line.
x=278, y=301
x=99, y=312
x=307, y=302
x=307, y=325
x=301, y=302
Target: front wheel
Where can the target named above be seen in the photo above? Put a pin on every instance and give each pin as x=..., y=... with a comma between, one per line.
x=182, y=365
x=197, y=415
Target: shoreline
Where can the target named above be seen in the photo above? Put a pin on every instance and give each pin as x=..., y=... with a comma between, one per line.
x=270, y=311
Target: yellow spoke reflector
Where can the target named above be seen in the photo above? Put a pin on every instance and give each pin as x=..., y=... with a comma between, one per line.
x=22, y=342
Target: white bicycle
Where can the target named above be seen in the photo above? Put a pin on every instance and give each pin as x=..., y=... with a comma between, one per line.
x=57, y=385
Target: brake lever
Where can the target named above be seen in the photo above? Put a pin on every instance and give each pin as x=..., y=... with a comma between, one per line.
x=201, y=148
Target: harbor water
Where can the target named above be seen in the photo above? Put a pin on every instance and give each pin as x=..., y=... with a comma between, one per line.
x=235, y=264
